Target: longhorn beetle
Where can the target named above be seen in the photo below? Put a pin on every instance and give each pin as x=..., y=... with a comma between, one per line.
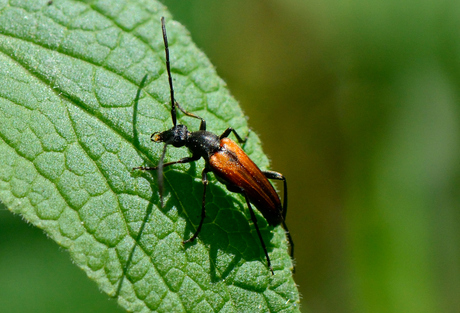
x=227, y=161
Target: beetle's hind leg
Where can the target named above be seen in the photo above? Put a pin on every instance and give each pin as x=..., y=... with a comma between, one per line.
x=279, y=176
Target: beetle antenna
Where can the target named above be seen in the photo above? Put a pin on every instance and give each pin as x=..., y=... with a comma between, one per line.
x=160, y=175
x=168, y=68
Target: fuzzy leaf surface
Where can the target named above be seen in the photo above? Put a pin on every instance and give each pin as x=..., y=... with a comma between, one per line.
x=73, y=124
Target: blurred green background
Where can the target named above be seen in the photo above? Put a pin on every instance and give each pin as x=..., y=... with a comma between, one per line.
x=357, y=103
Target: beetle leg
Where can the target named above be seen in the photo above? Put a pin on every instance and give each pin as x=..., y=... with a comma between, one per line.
x=204, y=178
x=203, y=122
x=279, y=176
x=254, y=220
x=181, y=161
x=291, y=242
x=160, y=167
x=238, y=137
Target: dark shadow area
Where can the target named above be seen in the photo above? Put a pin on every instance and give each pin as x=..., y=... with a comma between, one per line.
x=136, y=144
x=227, y=226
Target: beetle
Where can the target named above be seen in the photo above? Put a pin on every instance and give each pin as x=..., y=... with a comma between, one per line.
x=229, y=163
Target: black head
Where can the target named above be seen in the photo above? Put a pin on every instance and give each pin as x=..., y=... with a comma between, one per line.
x=176, y=136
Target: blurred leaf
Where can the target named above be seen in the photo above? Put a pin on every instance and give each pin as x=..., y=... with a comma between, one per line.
x=71, y=131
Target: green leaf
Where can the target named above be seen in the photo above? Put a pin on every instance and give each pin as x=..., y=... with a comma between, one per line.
x=72, y=129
